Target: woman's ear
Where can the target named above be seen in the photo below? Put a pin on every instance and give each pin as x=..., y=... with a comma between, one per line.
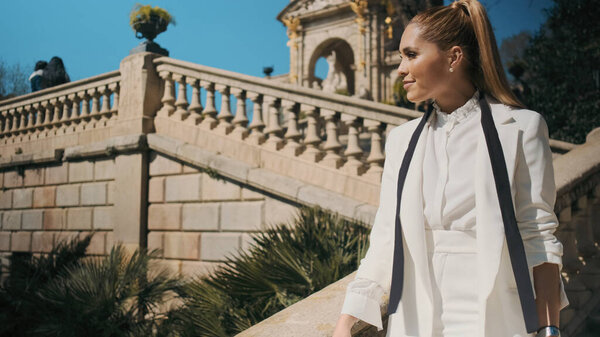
x=455, y=56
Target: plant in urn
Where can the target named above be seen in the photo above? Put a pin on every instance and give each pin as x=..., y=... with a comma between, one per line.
x=148, y=22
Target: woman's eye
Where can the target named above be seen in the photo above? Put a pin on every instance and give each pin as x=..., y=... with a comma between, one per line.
x=411, y=55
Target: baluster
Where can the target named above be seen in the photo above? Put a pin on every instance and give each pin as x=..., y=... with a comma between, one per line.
x=22, y=111
x=2, y=122
x=85, y=105
x=55, y=114
x=195, y=107
x=38, y=115
x=292, y=135
x=571, y=263
x=312, y=139
x=95, y=94
x=47, y=115
x=168, y=98
x=332, y=144
x=26, y=119
x=376, y=156
x=66, y=104
x=14, y=121
x=114, y=88
x=224, y=127
x=74, y=116
x=273, y=130
x=353, y=151
x=208, y=114
x=181, y=112
x=105, y=110
x=240, y=121
x=257, y=125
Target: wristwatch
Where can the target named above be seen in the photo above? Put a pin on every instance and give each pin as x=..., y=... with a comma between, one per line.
x=547, y=331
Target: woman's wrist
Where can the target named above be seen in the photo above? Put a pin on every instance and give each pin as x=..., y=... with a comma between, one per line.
x=347, y=320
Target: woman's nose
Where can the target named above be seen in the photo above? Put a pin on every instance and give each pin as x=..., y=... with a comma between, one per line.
x=402, y=71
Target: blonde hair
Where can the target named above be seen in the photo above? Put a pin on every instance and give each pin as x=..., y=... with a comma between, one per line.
x=465, y=23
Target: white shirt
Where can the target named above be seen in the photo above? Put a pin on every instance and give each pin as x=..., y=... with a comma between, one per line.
x=448, y=192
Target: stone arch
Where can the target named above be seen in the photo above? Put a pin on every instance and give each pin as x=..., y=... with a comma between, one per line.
x=345, y=56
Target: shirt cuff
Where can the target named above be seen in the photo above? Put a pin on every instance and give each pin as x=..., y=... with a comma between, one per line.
x=364, y=308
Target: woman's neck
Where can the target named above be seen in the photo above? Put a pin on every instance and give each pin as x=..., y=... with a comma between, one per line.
x=455, y=98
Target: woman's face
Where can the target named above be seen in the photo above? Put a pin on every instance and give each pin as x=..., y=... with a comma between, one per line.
x=424, y=66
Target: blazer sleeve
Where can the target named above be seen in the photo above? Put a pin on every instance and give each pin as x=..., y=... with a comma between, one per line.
x=534, y=200
x=365, y=294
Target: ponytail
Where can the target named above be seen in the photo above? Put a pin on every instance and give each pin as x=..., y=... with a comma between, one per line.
x=465, y=23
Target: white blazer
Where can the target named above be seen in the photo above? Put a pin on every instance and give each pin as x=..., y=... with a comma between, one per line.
x=524, y=138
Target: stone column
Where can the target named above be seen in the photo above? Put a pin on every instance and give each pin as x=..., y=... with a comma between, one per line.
x=140, y=93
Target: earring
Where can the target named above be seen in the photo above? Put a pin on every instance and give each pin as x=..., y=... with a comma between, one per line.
x=451, y=70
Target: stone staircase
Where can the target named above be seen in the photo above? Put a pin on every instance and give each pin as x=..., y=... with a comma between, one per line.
x=298, y=145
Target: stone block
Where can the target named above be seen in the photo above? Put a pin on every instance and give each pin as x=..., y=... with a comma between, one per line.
x=274, y=183
x=11, y=220
x=104, y=169
x=248, y=194
x=278, y=212
x=198, y=268
x=4, y=241
x=161, y=165
x=156, y=189
x=246, y=242
x=181, y=245
x=242, y=216
x=6, y=199
x=329, y=200
x=42, y=242
x=94, y=194
x=97, y=244
x=44, y=196
x=213, y=189
x=20, y=242
x=103, y=218
x=110, y=198
x=216, y=246
x=183, y=187
x=54, y=219
x=110, y=241
x=65, y=237
x=57, y=174
x=34, y=176
x=68, y=195
x=79, y=218
x=171, y=266
x=164, y=217
x=32, y=219
x=23, y=198
x=12, y=179
x=155, y=241
x=200, y=217
x=81, y=171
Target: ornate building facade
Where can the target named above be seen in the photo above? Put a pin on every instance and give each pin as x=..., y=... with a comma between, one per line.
x=358, y=38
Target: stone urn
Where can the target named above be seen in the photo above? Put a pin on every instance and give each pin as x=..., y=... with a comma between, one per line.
x=150, y=28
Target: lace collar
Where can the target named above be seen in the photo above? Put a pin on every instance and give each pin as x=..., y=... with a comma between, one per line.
x=457, y=115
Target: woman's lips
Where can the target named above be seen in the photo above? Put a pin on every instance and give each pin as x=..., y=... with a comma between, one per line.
x=408, y=84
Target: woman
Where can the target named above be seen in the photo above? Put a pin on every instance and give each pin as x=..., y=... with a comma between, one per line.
x=452, y=271
x=36, y=77
x=55, y=73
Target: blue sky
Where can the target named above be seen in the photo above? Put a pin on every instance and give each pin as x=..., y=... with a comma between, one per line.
x=238, y=35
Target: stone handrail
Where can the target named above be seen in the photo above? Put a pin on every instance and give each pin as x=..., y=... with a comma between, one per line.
x=577, y=176
x=76, y=106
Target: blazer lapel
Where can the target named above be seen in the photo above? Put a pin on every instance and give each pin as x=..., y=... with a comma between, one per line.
x=490, y=227
x=411, y=213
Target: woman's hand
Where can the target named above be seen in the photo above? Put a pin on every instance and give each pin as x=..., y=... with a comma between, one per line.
x=344, y=325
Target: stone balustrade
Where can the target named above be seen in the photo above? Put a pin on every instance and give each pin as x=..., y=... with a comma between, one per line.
x=70, y=108
x=297, y=121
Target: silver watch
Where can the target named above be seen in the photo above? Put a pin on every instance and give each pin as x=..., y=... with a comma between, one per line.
x=548, y=331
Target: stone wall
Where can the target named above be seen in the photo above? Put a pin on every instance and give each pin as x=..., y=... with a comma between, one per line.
x=197, y=220
x=45, y=204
